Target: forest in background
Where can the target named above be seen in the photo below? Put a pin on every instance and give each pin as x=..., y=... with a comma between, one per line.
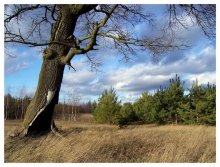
x=15, y=107
x=167, y=105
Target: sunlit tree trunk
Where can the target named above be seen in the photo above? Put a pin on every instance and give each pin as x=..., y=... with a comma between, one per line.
x=39, y=114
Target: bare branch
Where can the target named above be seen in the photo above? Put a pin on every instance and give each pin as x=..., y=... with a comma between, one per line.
x=53, y=11
x=70, y=66
x=203, y=15
x=20, y=11
x=37, y=23
x=156, y=45
x=93, y=62
x=32, y=44
x=92, y=42
x=95, y=24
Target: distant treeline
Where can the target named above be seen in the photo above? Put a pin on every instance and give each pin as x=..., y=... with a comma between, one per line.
x=168, y=105
x=70, y=112
x=15, y=108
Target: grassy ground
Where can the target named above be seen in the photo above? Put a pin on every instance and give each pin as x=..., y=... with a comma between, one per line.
x=86, y=141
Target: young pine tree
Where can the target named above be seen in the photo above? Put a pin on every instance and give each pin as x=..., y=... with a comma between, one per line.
x=126, y=115
x=203, y=103
x=144, y=108
x=175, y=95
x=108, y=107
x=168, y=100
x=162, y=115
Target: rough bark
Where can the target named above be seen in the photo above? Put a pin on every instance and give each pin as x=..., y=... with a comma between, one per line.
x=39, y=114
x=40, y=111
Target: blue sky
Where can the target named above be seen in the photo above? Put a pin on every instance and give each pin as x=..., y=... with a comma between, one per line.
x=129, y=79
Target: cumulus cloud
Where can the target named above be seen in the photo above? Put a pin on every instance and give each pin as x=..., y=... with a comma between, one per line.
x=14, y=67
x=130, y=81
x=204, y=78
x=20, y=58
x=17, y=60
x=137, y=78
x=191, y=62
x=82, y=82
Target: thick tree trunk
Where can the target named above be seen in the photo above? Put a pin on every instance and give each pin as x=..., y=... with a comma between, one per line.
x=39, y=114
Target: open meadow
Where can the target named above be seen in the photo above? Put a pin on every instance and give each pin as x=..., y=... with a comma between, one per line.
x=86, y=141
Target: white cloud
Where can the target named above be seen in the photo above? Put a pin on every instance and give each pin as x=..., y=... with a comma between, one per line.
x=193, y=62
x=203, y=78
x=78, y=77
x=17, y=60
x=129, y=96
x=12, y=67
x=131, y=81
x=82, y=82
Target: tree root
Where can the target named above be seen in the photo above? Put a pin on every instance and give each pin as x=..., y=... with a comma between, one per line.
x=55, y=130
x=17, y=132
x=24, y=132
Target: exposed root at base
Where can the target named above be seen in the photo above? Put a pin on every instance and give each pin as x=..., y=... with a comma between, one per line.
x=18, y=132
x=25, y=132
x=55, y=131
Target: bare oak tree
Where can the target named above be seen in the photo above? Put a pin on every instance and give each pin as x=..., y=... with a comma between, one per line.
x=70, y=30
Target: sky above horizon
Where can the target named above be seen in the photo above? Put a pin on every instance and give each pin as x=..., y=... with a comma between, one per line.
x=130, y=79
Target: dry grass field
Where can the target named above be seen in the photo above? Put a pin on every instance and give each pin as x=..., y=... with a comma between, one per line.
x=86, y=141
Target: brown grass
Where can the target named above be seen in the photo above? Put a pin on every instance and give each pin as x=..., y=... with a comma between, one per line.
x=90, y=142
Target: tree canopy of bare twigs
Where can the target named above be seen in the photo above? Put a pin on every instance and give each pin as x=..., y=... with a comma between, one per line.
x=35, y=25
